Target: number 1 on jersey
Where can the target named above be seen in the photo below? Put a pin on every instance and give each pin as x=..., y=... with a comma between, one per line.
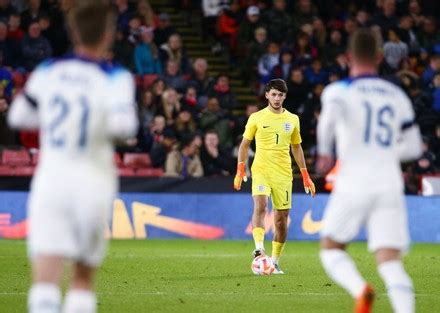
x=277, y=138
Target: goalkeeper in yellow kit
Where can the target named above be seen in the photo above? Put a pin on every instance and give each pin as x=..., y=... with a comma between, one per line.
x=276, y=132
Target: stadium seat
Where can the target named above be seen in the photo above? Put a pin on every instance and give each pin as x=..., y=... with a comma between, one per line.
x=126, y=171
x=148, y=80
x=16, y=157
x=6, y=170
x=138, y=79
x=151, y=172
x=24, y=171
x=137, y=160
x=34, y=158
x=117, y=158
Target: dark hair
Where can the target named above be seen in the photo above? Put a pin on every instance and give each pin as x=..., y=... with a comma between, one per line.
x=363, y=45
x=90, y=21
x=277, y=84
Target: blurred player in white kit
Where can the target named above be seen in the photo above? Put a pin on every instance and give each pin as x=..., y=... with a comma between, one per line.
x=372, y=122
x=81, y=105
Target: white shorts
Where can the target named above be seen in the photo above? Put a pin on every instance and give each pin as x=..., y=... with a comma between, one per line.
x=383, y=215
x=69, y=219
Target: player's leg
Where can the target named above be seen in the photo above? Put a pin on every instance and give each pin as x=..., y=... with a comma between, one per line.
x=281, y=202
x=260, y=194
x=258, y=215
x=81, y=297
x=343, y=219
x=45, y=294
x=388, y=238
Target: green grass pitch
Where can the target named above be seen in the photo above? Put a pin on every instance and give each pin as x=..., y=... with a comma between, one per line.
x=215, y=276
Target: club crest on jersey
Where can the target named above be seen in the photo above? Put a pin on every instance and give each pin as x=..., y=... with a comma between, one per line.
x=260, y=188
x=287, y=127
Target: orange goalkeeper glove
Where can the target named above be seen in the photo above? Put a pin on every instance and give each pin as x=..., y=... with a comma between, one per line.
x=309, y=186
x=240, y=176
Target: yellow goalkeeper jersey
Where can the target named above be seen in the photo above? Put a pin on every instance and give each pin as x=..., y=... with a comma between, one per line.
x=273, y=133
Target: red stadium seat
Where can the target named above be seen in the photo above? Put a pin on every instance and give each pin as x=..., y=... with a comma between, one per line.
x=151, y=172
x=35, y=157
x=18, y=79
x=136, y=160
x=148, y=80
x=16, y=157
x=117, y=158
x=126, y=171
x=138, y=79
x=24, y=171
x=6, y=170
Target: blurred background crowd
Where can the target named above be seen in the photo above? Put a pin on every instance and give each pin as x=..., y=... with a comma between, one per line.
x=191, y=117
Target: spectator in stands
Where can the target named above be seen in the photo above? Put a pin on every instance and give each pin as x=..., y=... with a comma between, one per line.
x=173, y=50
x=248, y=26
x=6, y=84
x=56, y=36
x=407, y=33
x=319, y=34
x=256, y=49
x=185, y=161
x=7, y=136
x=184, y=124
x=215, y=160
x=304, y=14
x=31, y=14
x=200, y=79
x=386, y=18
x=157, y=88
x=15, y=32
x=350, y=27
x=222, y=91
x=315, y=74
x=147, y=109
x=436, y=92
x=146, y=14
x=227, y=26
x=282, y=69
x=170, y=105
x=190, y=101
x=394, y=50
x=298, y=90
x=173, y=78
x=214, y=117
x=432, y=68
x=307, y=114
x=123, y=51
x=277, y=21
x=211, y=10
x=8, y=48
x=268, y=61
x=34, y=47
x=363, y=18
x=303, y=50
x=149, y=134
x=146, y=54
x=429, y=34
x=334, y=48
x=134, y=30
x=425, y=165
x=124, y=14
x=6, y=9
x=241, y=120
x=163, y=30
x=160, y=149
x=415, y=11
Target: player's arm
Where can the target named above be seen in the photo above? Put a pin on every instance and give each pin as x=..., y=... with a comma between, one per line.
x=409, y=145
x=298, y=155
x=248, y=136
x=122, y=120
x=23, y=113
x=326, y=130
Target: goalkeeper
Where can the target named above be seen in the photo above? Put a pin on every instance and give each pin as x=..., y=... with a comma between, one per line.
x=276, y=131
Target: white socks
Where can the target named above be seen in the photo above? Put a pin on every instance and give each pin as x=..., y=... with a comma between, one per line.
x=80, y=301
x=341, y=268
x=259, y=245
x=44, y=298
x=399, y=286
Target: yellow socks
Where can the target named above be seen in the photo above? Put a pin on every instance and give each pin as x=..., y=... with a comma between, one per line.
x=258, y=234
x=277, y=250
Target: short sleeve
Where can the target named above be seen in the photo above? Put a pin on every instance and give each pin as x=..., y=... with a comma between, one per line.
x=296, y=134
x=251, y=128
x=407, y=113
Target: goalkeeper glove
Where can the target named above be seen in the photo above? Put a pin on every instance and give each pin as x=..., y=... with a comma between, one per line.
x=240, y=176
x=309, y=186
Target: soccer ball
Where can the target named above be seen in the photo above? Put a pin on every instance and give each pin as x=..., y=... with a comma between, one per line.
x=262, y=265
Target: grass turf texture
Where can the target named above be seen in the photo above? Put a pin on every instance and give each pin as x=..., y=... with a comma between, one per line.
x=215, y=276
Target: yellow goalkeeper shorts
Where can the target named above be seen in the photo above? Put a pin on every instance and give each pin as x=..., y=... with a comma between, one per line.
x=280, y=192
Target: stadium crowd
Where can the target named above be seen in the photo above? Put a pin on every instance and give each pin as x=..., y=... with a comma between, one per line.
x=189, y=120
